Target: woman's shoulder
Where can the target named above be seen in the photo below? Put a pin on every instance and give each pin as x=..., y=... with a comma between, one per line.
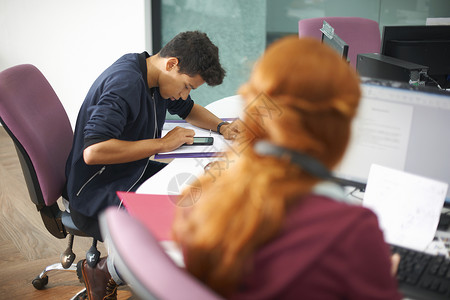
x=316, y=207
x=318, y=222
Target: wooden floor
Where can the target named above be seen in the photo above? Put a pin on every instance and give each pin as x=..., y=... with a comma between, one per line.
x=25, y=245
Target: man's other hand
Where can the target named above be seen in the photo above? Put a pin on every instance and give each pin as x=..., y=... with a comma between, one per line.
x=231, y=131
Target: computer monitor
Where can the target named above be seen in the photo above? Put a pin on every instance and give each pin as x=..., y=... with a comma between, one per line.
x=330, y=38
x=424, y=45
x=401, y=127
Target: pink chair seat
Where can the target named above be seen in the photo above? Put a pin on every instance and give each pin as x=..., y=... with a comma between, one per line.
x=143, y=264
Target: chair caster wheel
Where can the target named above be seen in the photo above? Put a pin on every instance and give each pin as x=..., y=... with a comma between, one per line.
x=39, y=283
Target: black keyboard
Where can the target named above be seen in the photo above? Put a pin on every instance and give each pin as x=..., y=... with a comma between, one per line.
x=423, y=276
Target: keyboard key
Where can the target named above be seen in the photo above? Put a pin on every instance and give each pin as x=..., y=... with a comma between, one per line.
x=443, y=289
x=435, y=285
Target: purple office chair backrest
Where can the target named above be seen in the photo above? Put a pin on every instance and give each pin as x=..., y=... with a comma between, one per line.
x=33, y=115
x=144, y=265
x=362, y=35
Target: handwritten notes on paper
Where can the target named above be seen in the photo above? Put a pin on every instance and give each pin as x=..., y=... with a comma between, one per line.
x=408, y=206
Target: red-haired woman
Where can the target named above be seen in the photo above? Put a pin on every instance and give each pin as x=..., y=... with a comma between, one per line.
x=267, y=228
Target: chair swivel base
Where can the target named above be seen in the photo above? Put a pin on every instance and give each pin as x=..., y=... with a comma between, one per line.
x=42, y=279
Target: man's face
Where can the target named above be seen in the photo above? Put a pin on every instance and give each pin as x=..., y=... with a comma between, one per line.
x=174, y=85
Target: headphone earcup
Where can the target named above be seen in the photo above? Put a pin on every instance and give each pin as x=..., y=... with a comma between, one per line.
x=306, y=162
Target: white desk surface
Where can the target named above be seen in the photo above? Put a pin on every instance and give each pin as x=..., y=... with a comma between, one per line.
x=171, y=180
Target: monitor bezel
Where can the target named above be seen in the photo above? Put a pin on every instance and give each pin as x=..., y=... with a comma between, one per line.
x=431, y=36
x=337, y=44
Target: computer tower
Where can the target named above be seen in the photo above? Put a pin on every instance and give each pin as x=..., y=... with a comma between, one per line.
x=376, y=65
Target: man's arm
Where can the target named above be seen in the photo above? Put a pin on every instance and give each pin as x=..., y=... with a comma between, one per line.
x=203, y=118
x=116, y=151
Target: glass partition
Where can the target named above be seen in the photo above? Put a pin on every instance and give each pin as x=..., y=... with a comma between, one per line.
x=242, y=29
x=237, y=27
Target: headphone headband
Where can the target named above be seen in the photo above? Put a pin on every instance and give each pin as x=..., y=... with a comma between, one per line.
x=306, y=162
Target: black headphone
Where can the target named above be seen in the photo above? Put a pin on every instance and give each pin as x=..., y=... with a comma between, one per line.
x=306, y=162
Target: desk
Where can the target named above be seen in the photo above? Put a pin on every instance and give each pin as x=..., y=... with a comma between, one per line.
x=179, y=173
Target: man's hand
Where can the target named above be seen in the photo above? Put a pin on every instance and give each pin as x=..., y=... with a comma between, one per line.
x=177, y=137
x=230, y=131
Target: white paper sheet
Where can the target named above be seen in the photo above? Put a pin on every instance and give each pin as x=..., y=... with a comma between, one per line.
x=408, y=206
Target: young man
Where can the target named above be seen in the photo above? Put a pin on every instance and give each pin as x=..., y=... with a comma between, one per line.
x=119, y=124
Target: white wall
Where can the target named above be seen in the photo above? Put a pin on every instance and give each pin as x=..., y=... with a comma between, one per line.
x=72, y=42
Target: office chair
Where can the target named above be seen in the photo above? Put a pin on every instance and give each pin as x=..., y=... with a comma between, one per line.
x=143, y=264
x=34, y=118
x=362, y=35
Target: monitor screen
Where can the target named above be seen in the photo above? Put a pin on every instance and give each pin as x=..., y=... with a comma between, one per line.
x=401, y=127
x=424, y=45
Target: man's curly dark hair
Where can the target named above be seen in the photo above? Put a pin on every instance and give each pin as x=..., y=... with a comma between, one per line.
x=196, y=55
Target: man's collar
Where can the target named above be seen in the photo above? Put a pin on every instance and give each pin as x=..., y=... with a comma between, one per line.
x=143, y=66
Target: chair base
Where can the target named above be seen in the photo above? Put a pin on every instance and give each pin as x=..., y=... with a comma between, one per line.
x=42, y=279
x=66, y=263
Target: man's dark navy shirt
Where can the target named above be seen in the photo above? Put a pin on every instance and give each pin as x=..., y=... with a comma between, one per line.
x=119, y=105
